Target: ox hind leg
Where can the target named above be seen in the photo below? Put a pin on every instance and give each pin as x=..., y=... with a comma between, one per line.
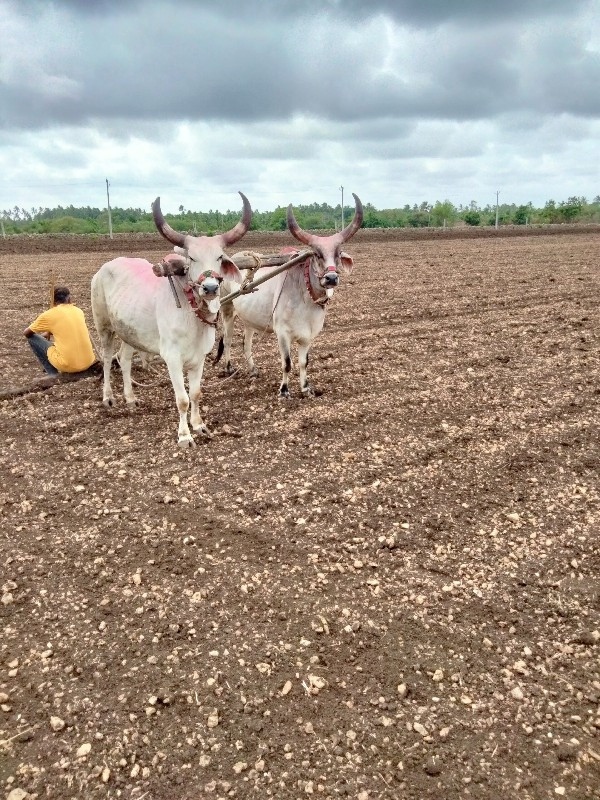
x=228, y=317
x=285, y=350
x=125, y=356
x=175, y=368
x=195, y=384
x=107, y=342
x=248, y=337
x=305, y=386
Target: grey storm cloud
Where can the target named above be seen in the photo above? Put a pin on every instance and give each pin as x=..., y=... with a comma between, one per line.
x=289, y=99
x=101, y=59
x=411, y=12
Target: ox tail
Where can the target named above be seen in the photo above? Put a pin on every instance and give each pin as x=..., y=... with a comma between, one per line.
x=220, y=351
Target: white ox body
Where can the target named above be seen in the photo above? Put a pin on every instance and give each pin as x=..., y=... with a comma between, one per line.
x=291, y=304
x=131, y=302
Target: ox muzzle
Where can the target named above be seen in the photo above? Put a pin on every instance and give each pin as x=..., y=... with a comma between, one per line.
x=330, y=278
x=209, y=282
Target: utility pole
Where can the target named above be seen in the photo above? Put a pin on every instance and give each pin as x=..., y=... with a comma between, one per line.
x=110, y=233
x=497, y=193
x=2, y=227
x=342, y=190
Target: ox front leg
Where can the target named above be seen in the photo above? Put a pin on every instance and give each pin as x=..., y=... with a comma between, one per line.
x=175, y=368
x=195, y=382
x=305, y=386
x=285, y=348
x=125, y=357
x=107, y=340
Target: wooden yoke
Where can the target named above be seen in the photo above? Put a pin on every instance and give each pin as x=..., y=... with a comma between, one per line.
x=280, y=262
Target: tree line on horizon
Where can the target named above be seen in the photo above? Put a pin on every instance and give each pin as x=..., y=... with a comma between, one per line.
x=86, y=219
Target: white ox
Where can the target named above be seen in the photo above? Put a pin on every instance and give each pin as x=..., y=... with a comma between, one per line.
x=293, y=303
x=131, y=302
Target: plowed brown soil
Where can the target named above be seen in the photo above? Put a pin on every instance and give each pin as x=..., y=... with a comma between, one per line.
x=389, y=591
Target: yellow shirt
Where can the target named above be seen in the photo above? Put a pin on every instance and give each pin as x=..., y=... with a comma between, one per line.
x=72, y=350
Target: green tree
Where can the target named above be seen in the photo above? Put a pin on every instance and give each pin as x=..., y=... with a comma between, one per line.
x=521, y=215
x=373, y=220
x=418, y=219
x=472, y=217
x=570, y=209
x=278, y=219
x=443, y=212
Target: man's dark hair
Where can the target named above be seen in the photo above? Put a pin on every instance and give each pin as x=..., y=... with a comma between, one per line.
x=61, y=294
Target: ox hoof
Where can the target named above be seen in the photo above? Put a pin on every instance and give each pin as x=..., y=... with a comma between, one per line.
x=254, y=372
x=229, y=368
x=203, y=430
x=108, y=402
x=284, y=394
x=185, y=442
x=133, y=404
x=308, y=391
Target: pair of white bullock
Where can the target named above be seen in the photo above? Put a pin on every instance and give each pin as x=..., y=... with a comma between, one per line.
x=130, y=302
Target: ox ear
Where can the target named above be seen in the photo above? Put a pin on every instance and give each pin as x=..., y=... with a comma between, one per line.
x=346, y=263
x=182, y=251
x=229, y=269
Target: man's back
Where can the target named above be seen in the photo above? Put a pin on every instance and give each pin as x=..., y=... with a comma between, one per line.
x=72, y=350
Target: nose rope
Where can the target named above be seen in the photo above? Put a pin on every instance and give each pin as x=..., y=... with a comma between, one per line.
x=319, y=300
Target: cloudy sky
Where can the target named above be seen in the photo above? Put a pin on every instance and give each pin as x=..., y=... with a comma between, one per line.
x=400, y=101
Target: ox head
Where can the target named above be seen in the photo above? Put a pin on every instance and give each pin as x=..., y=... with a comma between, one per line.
x=331, y=260
x=207, y=262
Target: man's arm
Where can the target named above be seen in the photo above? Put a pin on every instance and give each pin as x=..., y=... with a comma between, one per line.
x=41, y=325
x=28, y=332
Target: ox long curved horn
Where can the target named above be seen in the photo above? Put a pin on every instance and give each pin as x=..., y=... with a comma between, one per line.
x=236, y=233
x=342, y=236
x=164, y=228
x=296, y=230
x=357, y=221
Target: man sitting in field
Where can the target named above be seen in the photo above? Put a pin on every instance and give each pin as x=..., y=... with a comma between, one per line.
x=71, y=350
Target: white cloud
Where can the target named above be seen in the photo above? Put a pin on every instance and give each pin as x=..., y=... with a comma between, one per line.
x=398, y=101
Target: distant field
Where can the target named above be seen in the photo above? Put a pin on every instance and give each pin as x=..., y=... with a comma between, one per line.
x=132, y=243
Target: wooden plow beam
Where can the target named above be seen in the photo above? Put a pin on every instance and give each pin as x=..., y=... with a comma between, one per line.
x=250, y=261
x=48, y=381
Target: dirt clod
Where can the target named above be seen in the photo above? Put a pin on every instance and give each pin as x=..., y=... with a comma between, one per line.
x=433, y=765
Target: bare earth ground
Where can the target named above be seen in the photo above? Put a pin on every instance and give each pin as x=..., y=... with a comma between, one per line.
x=390, y=591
